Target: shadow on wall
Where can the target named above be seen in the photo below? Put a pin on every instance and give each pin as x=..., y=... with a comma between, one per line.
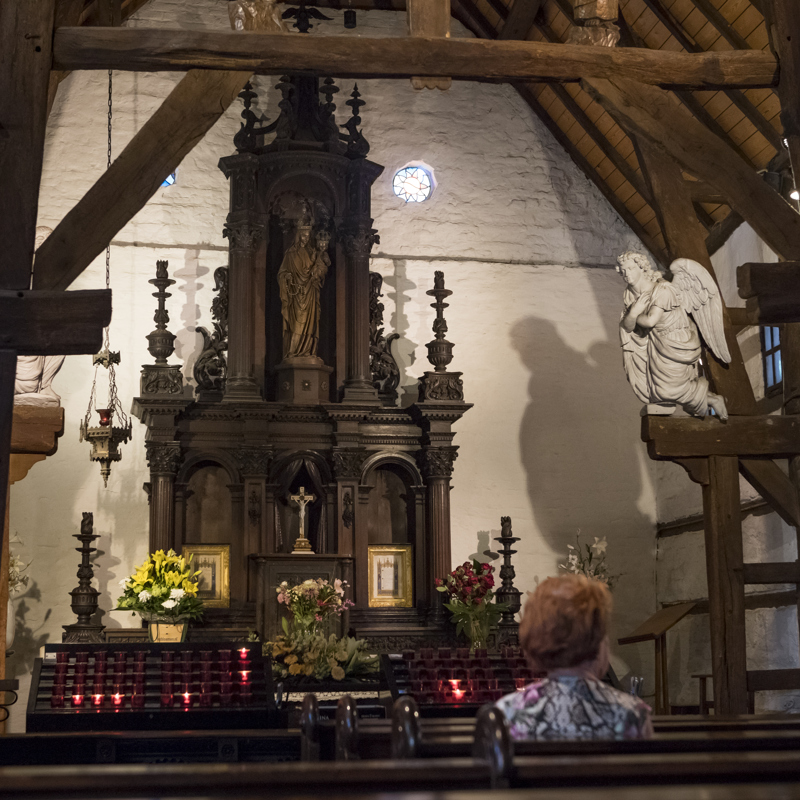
x=27, y=641
x=403, y=349
x=582, y=473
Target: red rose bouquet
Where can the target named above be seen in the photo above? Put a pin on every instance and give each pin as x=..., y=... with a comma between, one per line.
x=471, y=591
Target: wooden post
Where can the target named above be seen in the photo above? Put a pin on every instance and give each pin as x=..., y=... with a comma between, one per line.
x=429, y=19
x=163, y=458
x=724, y=566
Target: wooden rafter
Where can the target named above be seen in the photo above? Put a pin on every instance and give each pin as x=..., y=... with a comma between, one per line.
x=736, y=97
x=144, y=49
x=520, y=19
x=181, y=121
x=715, y=17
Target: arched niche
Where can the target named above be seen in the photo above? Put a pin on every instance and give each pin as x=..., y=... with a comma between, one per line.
x=211, y=512
x=306, y=470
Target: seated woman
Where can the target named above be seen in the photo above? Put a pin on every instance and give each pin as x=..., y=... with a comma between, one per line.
x=564, y=633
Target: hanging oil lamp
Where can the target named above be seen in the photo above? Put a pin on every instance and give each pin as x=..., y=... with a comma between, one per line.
x=107, y=436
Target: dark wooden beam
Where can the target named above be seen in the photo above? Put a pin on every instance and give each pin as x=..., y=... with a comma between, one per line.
x=629, y=38
x=26, y=32
x=182, y=120
x=776, y=572
x=724, y=567
x=703, y=192
x=722, y=231
x=772, y=292
x=648, y=113
x=772, y=483
x=38, y=323
x=736, y=97
x=689, y=437
x=520, y=20
x=140, y=49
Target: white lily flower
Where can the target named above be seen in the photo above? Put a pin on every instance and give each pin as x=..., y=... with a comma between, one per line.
x=600, y=546
x=124, y=583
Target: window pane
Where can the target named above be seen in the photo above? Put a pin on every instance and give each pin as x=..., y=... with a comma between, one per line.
x=776, y=337
x=770, y=377
x=778, y=367
x=768, y=338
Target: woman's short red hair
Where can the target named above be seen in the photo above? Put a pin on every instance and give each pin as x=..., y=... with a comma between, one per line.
x=564, y=622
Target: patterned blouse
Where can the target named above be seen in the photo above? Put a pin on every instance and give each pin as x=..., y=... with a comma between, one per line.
x=569, y=707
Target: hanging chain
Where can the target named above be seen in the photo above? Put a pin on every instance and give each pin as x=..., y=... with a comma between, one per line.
x=106, y=344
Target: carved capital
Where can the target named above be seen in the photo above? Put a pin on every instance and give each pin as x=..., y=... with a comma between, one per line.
x=437, y=462
x=254, y=460
x=358, y=242
x=348, y=463
x=163, y=458
x=158, y=380
x=243, y=235
x=441, y=386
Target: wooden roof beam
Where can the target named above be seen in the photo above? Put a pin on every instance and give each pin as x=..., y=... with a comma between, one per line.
x=141, y=49
x=520, y=19
x=648, y=113
x=736, y=97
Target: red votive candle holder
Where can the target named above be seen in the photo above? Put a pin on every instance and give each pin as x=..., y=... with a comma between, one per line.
x=137, y=700
x=167, y=699
x=225, y=698
x=186, y=699
x=246, y=695
x=118, y=699
x=206, y=699
x=57, y=700
x=80, y=668
x=82, y=657
x=244, y=675
x=426, y=653
x=139, y=667
x=481, y=652
x=243, y=653
x=97, y=699
x=167, y=657
x=462, y=653
x=62, y=657
x=205, y=655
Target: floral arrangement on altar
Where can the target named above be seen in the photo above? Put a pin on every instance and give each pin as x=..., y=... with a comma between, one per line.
x=471, y=589
x=303, y=650
x=589, y=560
x=16, y=580
x=164, y=587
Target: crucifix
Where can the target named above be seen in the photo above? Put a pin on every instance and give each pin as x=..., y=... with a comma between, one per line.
x=302, y=545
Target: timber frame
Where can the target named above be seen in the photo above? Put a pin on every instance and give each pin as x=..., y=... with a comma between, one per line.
x=640, y=121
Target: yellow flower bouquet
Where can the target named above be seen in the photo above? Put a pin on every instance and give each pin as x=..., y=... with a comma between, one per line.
x=163, y=587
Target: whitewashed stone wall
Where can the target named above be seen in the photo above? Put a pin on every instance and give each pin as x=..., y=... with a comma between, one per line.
x=772, y=635
x=525, y=241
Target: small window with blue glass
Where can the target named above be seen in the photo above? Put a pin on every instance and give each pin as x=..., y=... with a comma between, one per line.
x=773, y=367
x=170, y=180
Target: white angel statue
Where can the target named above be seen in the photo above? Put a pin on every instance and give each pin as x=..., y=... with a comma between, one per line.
x=661, y=345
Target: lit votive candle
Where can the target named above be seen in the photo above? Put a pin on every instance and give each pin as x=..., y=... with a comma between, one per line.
x=77, y=699
x=97, y=699
x=117, y=699
x=243, y=653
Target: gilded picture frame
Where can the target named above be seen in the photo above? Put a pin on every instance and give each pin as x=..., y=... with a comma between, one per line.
x=214, y=562
x=391, y=579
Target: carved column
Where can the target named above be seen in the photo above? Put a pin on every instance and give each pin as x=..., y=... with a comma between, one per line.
x=163, y=458
x=351, y=538
x=436, y=465
x=244, y=228
x=254, y=463
x=358, y=241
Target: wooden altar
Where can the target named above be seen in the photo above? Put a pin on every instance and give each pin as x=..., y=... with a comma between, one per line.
x=224, y=465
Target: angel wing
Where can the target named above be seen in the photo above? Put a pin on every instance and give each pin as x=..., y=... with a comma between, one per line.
x=699, y=296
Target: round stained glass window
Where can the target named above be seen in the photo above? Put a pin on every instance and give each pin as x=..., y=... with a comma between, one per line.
x=413, y=184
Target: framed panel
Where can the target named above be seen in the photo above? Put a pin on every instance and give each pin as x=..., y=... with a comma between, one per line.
x=391, y=582
x=214, y=581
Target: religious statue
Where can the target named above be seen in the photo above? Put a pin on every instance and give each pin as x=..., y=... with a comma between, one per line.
x=300, y=279
x=661, y=345
x=256, y=15
x=302, y=545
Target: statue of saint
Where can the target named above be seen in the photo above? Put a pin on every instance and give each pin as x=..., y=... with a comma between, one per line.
x=661, y=344
x=300, y=279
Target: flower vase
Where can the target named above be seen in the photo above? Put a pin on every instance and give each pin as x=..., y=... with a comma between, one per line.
x=165, y=630
x=477, y=632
